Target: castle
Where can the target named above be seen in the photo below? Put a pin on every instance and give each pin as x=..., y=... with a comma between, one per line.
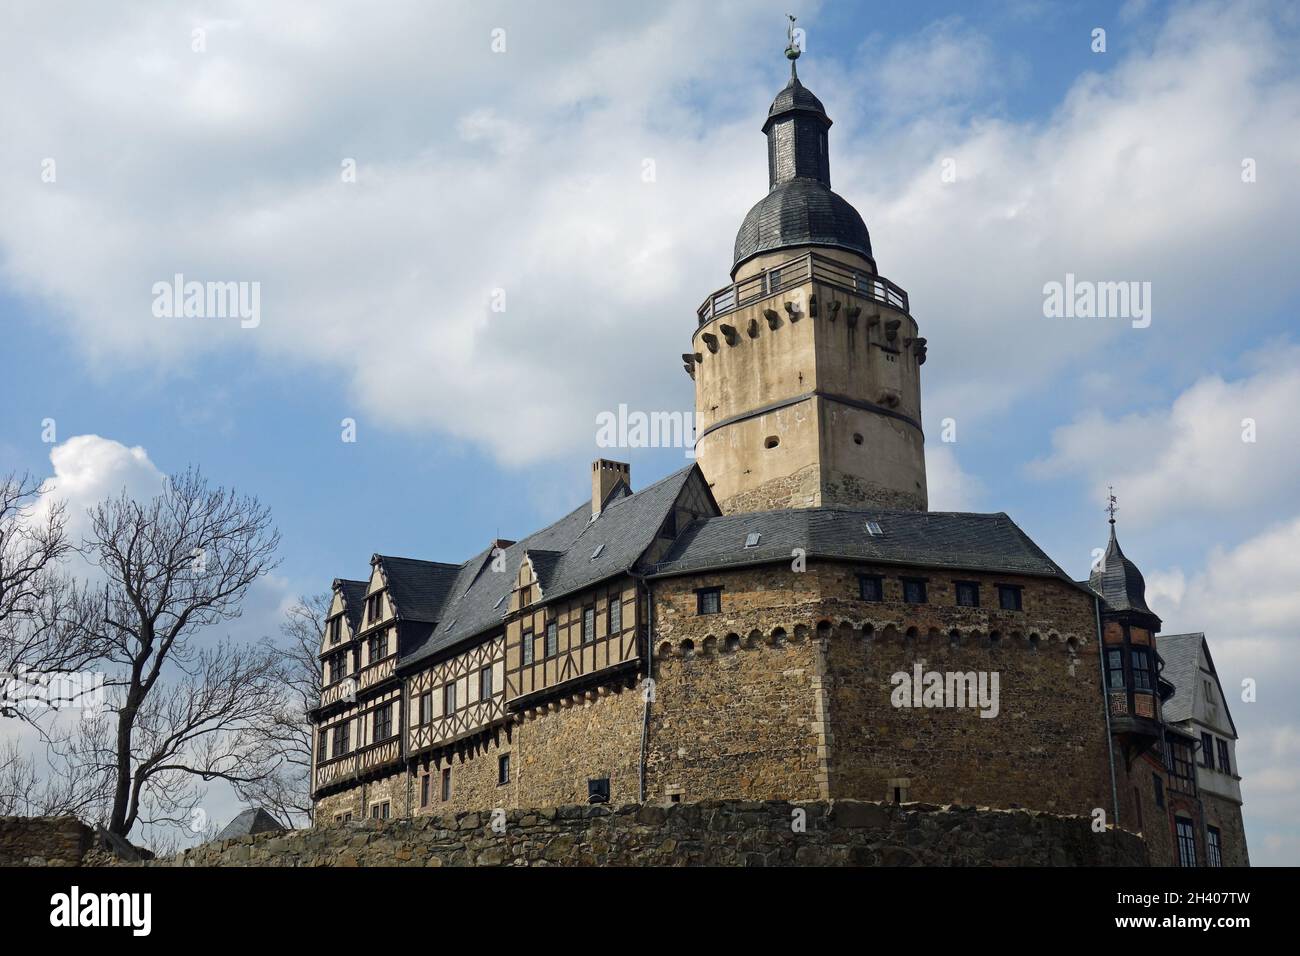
x=784, y=619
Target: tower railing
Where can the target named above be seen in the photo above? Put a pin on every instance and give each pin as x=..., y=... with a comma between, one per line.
x=795, y=272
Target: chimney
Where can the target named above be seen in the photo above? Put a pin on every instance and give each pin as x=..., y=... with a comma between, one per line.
x=605, y=474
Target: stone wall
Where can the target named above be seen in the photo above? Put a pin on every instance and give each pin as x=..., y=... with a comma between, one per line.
x=61, y=841
x=838, y=833
x=44, y=841
x=787, y=692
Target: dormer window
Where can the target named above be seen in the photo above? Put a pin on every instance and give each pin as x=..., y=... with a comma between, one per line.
x=336, y=629
x=526, y=595
x=375, y=606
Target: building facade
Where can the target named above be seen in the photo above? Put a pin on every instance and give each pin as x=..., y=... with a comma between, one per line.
x=784, y=618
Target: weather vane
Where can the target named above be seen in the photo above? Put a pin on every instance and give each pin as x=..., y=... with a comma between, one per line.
x=791, y=51
x=1111, y=508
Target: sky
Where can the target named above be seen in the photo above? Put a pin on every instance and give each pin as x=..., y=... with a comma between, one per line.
x=475, y=227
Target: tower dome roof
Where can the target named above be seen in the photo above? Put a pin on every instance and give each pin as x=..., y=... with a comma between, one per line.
x=801, y=212
x=799, y=209
x=1119, y=581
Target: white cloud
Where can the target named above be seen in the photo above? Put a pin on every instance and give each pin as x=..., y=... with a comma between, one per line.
x=1190, y=457
x=88, y=469
x=522, y=171
x=949, y=488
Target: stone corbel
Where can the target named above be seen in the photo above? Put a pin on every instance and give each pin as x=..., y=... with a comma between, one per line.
x=834, y=310
x=792, y=311
x=853, y=312
x=891, y=329
x=753, y=328
x=711, y=341
x=729, y=333
x=812, y=305
x=773, y=320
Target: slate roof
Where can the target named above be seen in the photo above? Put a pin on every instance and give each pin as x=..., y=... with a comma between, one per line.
x=354, y=599
x=562, y=553
x=958, y=540
x=418, y=589
x=1121, y=584
x=1181, y=654
x=795, y=96
x=801, y=212
x=250, y=821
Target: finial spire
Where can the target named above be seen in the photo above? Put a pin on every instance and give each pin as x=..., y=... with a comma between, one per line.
x=792, y=49
x=1111, y=508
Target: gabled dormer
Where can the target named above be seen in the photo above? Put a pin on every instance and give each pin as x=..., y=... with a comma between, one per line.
x=531, y=578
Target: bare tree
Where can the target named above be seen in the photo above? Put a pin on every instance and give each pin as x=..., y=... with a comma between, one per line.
x=286, y=740
x=181, y=713
x=45, y=626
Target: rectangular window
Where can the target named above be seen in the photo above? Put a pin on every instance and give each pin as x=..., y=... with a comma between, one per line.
x=1159, y=786
x=526, y=596
x=1213, y=848
x=374, y=811
x=383, y=722
x=1115, y=668
x=485, y=684
x=1182, y=772
x=335, y=630
x=1186, y=841
x=449, y=699
x=374, y=606
x=503, y=769
x=616, y=614
x=341, y=735
x=372, y=649
x=1009, y=597
x=446, y=784
x=871, y=587
x=552, y=639
x=322, y=746
x=526, y=646
x=426, y=707
x=588, y=625
x=708, y=601
x=968, y=594
x=914, y=590
x=1141, y=661
x=1207, y=751
x=424, y=790
x=1225, y=764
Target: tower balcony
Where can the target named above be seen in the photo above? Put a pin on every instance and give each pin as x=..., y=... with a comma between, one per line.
x=796, y=272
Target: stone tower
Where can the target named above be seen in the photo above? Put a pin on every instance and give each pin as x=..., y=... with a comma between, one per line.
x=807, y=366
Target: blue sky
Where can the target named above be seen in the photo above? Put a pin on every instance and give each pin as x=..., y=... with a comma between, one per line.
x=522, y=171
